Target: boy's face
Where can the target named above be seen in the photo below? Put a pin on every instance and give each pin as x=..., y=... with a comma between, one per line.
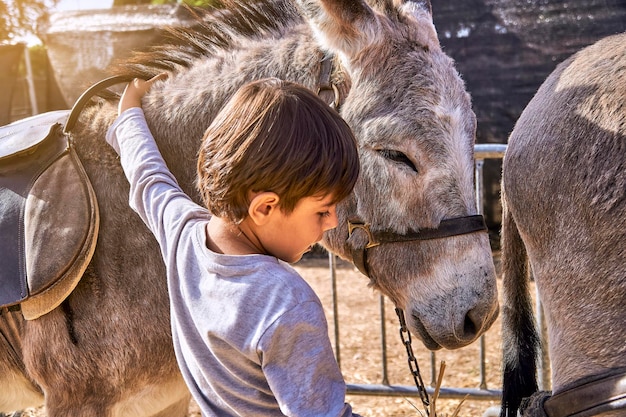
x=289, y=236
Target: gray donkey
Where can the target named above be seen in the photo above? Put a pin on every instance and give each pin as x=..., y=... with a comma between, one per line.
x=564, y=198
x=107, y=351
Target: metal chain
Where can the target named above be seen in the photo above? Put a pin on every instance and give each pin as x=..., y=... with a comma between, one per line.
x=405, y=335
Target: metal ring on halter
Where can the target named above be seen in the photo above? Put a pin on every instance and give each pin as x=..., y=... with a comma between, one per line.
x=326, y=84
x=335, y=103
x=366, y=228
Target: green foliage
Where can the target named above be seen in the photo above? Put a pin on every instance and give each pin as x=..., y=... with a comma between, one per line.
x=38, y=61
x=19, y=18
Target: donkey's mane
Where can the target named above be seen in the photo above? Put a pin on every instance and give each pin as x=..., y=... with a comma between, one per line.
x=215, y=29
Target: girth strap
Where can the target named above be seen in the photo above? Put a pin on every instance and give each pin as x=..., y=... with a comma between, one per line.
x=590, y=398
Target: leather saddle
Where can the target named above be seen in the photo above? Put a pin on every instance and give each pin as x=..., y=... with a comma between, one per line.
x=49, y=217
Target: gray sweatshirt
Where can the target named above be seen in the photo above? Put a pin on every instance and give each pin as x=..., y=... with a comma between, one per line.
x=249, y=333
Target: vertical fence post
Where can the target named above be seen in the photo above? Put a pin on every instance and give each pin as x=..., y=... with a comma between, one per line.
x=34, y=108
x=383, y=340
x=478, y=183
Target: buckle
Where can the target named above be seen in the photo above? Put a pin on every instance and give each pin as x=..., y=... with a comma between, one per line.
x=366, y=228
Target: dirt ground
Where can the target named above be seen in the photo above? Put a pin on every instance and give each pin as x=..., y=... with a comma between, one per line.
x=360, y=347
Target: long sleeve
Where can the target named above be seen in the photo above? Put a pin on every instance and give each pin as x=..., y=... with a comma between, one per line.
x=154, y=192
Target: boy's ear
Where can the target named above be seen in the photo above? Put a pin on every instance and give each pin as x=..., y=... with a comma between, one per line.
x=262, y=205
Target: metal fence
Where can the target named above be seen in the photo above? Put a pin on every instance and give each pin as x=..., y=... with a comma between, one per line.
x=482, y=152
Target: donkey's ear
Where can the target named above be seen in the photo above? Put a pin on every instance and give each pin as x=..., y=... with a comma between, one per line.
x=419, y=5
x=421, y=12
x=344, y=26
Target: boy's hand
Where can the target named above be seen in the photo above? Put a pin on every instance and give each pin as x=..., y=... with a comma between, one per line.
x=135, y=90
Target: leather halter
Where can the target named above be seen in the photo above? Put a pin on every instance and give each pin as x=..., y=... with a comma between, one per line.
x=447, y=228
x=590, y=398
x=327, y=90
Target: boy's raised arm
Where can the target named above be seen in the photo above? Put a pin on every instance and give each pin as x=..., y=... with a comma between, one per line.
x=135, y=90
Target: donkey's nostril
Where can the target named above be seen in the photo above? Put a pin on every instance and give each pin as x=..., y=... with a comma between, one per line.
x=469, y=326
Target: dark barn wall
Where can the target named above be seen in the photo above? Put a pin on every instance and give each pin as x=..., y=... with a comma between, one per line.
x=505, y=49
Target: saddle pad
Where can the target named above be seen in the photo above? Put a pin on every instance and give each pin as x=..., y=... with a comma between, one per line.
x=48, y=224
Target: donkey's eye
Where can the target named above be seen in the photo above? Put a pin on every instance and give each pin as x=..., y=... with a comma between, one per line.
x=397, y=157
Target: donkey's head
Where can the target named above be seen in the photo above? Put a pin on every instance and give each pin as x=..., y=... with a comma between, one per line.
x=412, y=116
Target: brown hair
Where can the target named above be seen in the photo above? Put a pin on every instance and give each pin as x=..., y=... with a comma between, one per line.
x=277, y=136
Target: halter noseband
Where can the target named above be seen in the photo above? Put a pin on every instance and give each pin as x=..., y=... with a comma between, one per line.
x=447, y=228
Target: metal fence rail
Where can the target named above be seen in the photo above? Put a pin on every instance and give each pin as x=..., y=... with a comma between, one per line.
x=481, y=152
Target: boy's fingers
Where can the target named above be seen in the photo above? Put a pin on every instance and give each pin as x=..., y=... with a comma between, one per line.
x=145, y=85
x=135, y=90
x=161, y=76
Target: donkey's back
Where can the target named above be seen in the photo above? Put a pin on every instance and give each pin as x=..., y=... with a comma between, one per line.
x=564, y=198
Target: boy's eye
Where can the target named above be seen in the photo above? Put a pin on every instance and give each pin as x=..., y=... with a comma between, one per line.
x=324, y=214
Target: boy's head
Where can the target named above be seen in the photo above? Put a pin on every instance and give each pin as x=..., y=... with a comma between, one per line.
x=275, y=136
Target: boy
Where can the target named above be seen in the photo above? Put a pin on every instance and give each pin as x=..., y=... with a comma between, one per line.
x=249, y=333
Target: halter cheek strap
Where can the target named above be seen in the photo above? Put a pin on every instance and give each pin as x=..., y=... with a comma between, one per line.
x=447, y=228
